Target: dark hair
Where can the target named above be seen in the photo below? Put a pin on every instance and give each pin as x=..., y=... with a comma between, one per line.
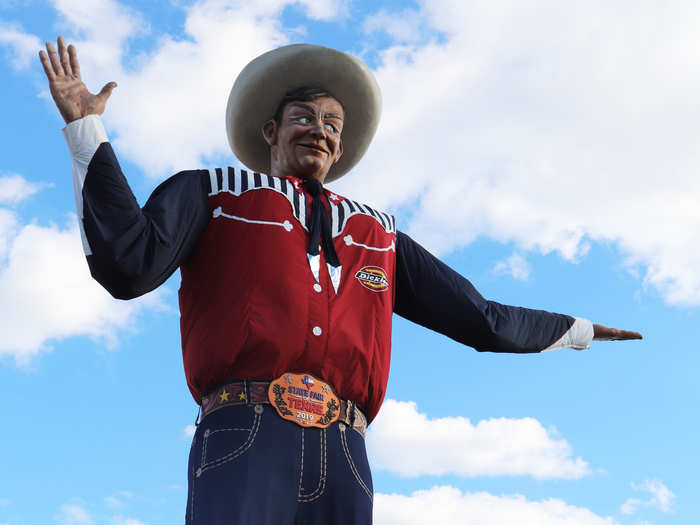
x=301, y=94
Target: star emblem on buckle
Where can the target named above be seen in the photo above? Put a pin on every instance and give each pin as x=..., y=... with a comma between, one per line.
x=224, y=396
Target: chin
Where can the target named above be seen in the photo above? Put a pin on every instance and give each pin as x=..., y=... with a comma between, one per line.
x=310, y=170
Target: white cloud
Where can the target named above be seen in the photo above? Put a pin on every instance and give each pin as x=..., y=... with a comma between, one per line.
x=114, y=20
x=188, y=432
x=525, y=124
x=73, y=514
x=113, y=501
x=453, y=445
x=8, y=227
x=404, y=27
x=661, y=498
x=15, y=188
x=117, y=500
x=23, y=47
x=516, y=266
x=325, y=10
x=446, y=504
x=630, y=506
x=48, y=294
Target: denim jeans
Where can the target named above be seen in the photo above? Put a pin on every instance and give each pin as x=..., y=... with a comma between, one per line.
x=249, y=466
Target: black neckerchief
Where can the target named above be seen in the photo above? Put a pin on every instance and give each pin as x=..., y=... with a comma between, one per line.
x=320, y=225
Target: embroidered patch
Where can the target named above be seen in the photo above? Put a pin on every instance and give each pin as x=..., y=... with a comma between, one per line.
x=373, y=278
x=304, y=399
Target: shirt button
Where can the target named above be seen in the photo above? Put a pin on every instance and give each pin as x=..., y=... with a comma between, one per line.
x=317, y=331
x=317, y=287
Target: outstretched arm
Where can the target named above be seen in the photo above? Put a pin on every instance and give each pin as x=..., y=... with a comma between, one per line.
x=430, y=293
x=130, y=250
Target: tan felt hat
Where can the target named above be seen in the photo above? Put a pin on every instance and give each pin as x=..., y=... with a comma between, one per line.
x=262, y=84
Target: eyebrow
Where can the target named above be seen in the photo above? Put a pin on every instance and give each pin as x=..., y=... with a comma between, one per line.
x=312, y=110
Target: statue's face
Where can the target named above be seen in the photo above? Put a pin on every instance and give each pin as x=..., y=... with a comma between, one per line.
x=306, y=142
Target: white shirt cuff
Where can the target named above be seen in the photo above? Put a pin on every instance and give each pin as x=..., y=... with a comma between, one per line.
x=83, y=136
x=578, y=337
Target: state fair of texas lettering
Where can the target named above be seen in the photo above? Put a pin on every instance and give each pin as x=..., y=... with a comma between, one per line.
x=304, y=399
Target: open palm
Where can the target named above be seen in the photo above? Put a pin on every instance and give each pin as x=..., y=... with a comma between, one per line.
x=70, y=94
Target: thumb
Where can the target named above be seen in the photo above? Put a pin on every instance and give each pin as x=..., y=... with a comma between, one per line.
x=106, y=91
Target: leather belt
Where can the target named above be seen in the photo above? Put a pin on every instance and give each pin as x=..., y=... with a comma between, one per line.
x=251, y=392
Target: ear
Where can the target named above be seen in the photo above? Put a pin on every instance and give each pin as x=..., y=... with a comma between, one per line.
x=269, y=131
x=340, y=151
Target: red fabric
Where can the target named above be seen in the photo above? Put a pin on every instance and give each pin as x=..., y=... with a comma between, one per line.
x=249, y=307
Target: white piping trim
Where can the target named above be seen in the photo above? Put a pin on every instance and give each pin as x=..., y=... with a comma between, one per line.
x=236, y=181
x=349, y=242
x=286, y=224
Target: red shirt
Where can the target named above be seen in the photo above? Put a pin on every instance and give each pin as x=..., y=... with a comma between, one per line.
x=252, y=308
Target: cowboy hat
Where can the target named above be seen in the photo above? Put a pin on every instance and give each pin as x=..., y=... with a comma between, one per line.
x=262, y=84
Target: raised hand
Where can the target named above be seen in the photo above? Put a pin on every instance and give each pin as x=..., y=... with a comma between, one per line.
x=603, y=333
x=72, y=98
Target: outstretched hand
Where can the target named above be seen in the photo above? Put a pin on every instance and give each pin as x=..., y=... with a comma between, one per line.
x=72, y=98
x=603, y=333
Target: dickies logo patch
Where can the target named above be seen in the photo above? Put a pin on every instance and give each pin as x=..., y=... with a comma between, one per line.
x=373, y=278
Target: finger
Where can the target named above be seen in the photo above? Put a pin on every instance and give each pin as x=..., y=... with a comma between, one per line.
x=74, y=64
x=603, y=333
x=63, y=56
x=53, y=57
x=621, y=335
x=627, y=334
x=47, y=66
x=106, y=91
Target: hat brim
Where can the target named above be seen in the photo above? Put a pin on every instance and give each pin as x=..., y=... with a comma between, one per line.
x=262, y=84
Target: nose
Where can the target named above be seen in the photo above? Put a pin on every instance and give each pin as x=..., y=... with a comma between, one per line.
x=317, y=129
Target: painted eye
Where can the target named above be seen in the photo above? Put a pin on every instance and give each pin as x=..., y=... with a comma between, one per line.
x=331, y=128
x=304, y=120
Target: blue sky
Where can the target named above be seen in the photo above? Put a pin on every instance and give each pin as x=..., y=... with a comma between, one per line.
x=545, y=151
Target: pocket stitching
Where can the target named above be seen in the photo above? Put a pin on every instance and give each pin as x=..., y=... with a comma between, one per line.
x=319, y=490
x=355, y=472
x=231, y=455
x=208, y=433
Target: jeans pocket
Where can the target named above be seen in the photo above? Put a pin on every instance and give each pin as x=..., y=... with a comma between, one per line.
x=354, y=448
x=224, y=443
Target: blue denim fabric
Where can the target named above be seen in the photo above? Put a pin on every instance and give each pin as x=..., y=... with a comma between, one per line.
x=249, y=466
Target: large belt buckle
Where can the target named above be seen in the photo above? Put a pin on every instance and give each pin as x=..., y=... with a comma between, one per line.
x=304, y=399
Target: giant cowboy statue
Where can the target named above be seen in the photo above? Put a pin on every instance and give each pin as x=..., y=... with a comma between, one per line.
x=288, y=289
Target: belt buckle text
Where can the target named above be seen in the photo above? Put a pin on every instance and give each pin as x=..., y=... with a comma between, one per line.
x=304, y=399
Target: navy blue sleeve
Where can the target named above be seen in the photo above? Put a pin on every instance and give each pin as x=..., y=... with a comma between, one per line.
x=134, y=250
x=430, y=293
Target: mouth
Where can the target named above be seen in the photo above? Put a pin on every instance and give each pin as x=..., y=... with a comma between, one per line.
x=314, y=147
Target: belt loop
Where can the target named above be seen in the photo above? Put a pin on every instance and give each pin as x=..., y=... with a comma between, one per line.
x=199, y=413
x=246, y=391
